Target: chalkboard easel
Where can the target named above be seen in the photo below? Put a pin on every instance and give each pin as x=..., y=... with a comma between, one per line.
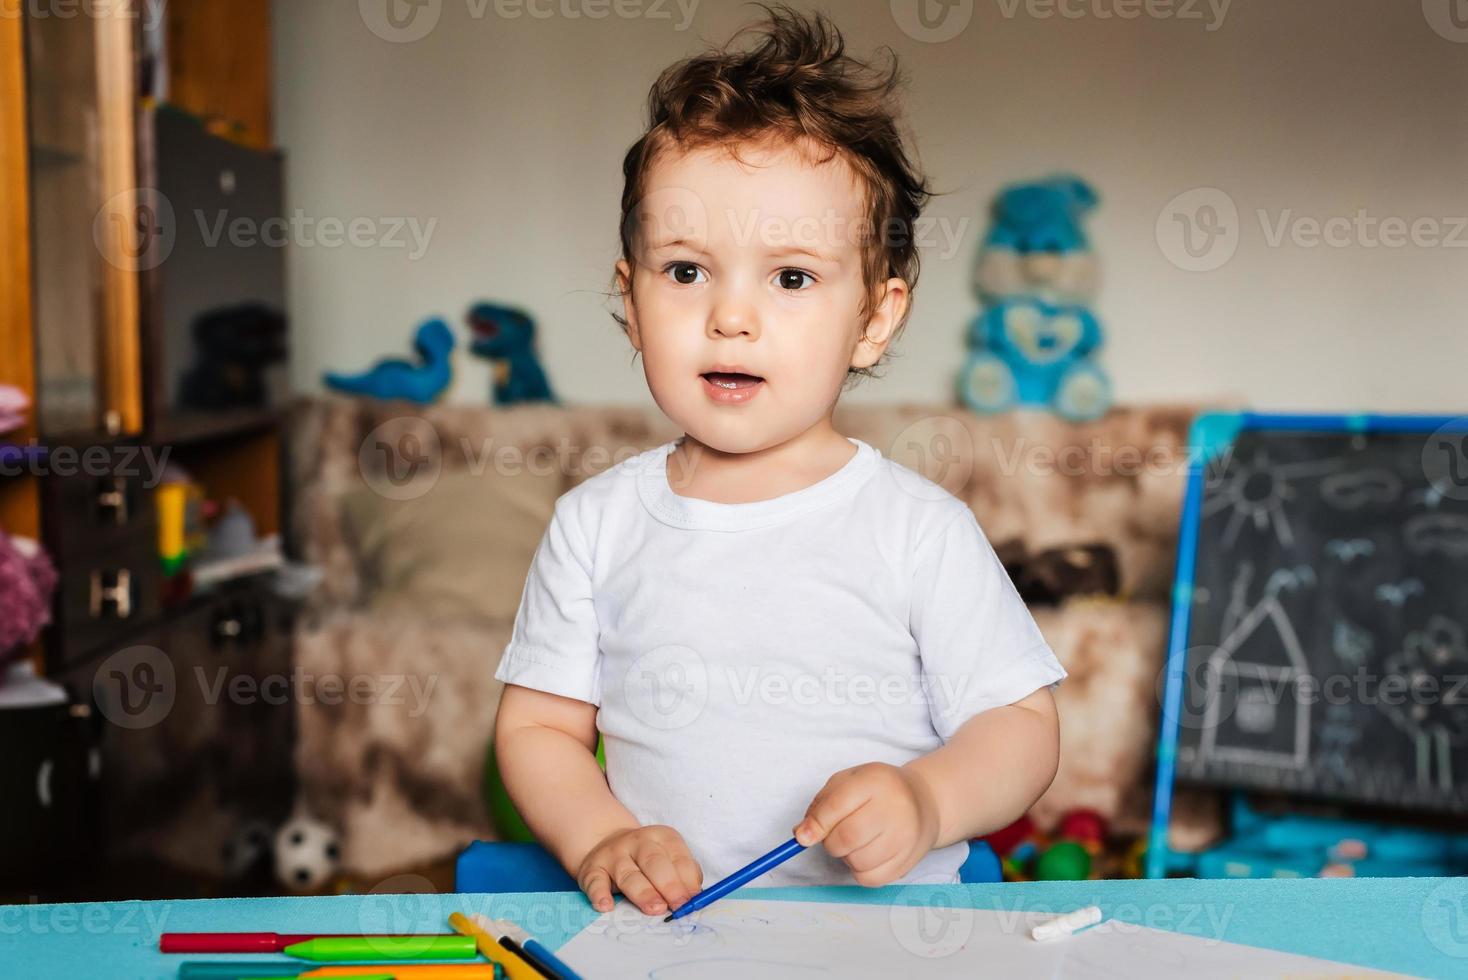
x=1317, y=644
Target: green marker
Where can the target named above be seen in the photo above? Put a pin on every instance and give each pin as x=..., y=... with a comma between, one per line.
x=370, y=948
x=236, y=969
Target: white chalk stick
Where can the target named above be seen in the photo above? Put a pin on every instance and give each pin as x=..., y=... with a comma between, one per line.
x=1064, y=925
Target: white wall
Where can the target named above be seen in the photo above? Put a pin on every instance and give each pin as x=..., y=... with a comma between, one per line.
x=510, y=133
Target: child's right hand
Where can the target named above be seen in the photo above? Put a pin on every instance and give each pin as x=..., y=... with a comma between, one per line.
x=652, y=866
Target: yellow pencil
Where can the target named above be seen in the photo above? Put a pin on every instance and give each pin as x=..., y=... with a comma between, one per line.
x=516, y=968
x=411, y=971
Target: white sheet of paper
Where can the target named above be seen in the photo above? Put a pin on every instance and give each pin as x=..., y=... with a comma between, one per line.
x=754, y=938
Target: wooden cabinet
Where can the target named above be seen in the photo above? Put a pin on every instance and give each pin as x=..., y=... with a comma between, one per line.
x=196, y=716
x=80, y=276
x=85, y=222
x=19, y=494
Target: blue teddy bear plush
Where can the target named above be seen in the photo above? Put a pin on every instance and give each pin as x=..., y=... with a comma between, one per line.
x=1036, y=339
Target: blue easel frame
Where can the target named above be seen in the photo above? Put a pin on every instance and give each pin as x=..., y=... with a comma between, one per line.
x=1210, y=434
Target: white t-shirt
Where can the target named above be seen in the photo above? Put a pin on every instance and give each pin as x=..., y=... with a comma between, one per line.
x=741, y=654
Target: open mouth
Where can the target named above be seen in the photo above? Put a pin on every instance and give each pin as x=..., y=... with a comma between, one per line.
x=731, y=387
x=731, y=381
x=484, y=328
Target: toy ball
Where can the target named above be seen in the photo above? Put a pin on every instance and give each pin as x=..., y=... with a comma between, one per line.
x=1086, y=827
x=1019, y=863
x=1063, y=861
x=1006, y=839
x=306, y=853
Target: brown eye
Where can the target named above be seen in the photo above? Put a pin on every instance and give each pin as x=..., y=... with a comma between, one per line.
x=794, y=279
x=684, y=273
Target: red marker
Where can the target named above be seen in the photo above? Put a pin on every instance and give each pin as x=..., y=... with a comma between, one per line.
x=246, y=942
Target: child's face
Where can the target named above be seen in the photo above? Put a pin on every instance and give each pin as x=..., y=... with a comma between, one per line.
x=754, y=267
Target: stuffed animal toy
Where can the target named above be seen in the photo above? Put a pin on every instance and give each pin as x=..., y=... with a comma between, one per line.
x=1036, y=339
x=506, y=336
x=27, y=580
x=233, y=347
x=398, y=379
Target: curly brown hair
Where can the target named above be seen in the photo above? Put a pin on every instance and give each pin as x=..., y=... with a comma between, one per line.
x=796, y=84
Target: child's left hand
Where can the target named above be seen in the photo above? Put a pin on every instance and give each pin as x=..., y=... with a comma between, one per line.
x=879, y=819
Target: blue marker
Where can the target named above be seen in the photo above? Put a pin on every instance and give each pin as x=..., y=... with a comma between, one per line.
x=738, y=879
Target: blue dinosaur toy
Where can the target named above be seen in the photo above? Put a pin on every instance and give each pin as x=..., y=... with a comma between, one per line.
x=506, y=336
x=1036, y=339
x=399, y=379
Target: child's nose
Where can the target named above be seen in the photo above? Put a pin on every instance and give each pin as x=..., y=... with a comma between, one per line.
x=733, y=317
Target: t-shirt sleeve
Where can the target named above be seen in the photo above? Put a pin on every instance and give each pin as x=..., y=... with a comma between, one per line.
x=554, y=644
x=978, y=644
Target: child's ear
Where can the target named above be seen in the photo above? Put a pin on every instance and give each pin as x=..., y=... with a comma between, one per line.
x=882, y=325
x=629, y=310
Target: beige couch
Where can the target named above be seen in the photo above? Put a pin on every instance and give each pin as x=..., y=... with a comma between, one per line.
x=424, y=521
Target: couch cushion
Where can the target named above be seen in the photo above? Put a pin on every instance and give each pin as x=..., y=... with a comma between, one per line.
x=461, y=548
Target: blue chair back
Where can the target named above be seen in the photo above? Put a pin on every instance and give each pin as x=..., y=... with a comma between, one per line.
x=498, y=866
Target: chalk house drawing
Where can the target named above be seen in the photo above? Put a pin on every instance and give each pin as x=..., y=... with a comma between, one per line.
x=1260, y=656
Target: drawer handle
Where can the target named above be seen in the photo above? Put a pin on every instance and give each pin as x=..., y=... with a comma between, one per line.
x=119, y=593
x=114, y=500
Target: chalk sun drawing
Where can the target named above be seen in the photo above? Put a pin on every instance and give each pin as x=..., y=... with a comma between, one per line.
x=1255, y=493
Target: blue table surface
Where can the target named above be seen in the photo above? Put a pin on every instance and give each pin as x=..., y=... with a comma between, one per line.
x=1409, y=925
